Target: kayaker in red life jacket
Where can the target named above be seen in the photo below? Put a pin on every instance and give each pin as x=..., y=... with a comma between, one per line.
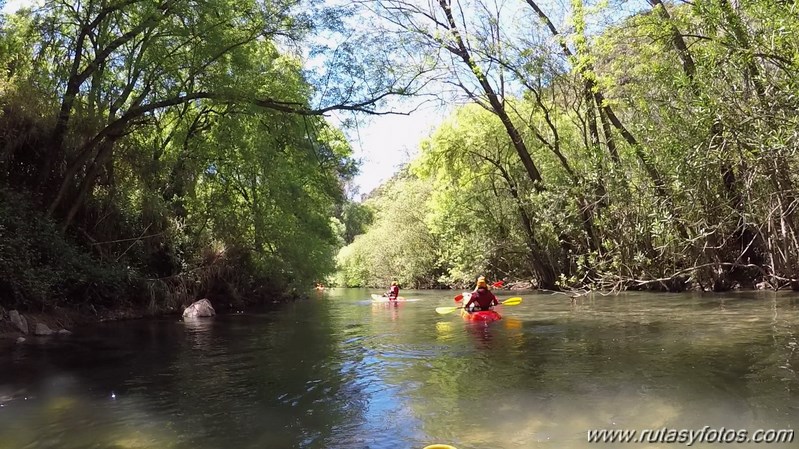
x=393, y=292
x=482, y=298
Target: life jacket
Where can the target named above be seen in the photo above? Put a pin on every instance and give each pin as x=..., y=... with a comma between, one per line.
x=482, y=299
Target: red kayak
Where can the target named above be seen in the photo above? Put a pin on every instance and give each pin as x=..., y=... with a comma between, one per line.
x=482, y=315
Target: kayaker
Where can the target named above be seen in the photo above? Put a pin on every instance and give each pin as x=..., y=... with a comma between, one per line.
x=393, y=292
x=481, y=298
x=482, y=281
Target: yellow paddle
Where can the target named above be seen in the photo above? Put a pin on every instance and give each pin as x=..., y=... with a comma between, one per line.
x=515, y=301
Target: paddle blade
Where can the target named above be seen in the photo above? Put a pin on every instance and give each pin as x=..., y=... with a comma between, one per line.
x=498, y=284
x=445, y=310
x=515, y=301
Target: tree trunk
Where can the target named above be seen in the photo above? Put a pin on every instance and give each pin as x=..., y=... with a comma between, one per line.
x=87, y=183
x=497, y=106
x=688, y=65
x=546, y=273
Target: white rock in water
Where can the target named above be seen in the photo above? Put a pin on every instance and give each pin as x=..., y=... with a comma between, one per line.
x=42, y=329
x=19, y=321
x=201, y=308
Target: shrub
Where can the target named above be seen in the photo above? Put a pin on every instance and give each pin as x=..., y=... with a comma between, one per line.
x=40, y=268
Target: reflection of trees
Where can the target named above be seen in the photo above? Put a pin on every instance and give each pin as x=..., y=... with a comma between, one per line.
x=322, y=373
x=688, y=352
x=261, y=380
x=617, y=362
x=273, y=380
x=71, y=380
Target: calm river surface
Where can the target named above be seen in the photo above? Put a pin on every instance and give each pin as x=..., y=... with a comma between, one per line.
x=337, y=371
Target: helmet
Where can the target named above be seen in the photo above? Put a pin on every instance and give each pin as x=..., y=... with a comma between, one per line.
x=481, y=282
x=394, y=283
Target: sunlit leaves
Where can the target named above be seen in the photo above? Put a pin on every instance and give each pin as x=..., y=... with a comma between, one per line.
x=397, y=245
x=704, y=100
x=176, y=123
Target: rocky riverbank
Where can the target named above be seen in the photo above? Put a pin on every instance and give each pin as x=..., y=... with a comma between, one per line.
x=17, y=327
x=20, y=327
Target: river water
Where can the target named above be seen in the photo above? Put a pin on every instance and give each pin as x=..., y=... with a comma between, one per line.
x=338, y=371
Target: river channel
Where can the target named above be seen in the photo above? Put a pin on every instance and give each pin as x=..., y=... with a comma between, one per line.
x=339, y=371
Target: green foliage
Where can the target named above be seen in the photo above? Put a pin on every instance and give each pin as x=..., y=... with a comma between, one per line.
x=667, y=150
x=356, y=218
x=471, y=211
x=397, y=245
x=40, y=269
x=162, y=135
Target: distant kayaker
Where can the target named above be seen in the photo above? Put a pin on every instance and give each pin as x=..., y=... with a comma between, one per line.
x=481, y=298
x=393, y=292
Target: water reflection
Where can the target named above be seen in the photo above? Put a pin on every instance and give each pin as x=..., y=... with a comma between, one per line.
x=480, y=333
x=391, y=308
x=200, y=331
x=338, y=372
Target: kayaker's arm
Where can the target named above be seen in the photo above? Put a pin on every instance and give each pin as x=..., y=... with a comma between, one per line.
x=468, y=303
